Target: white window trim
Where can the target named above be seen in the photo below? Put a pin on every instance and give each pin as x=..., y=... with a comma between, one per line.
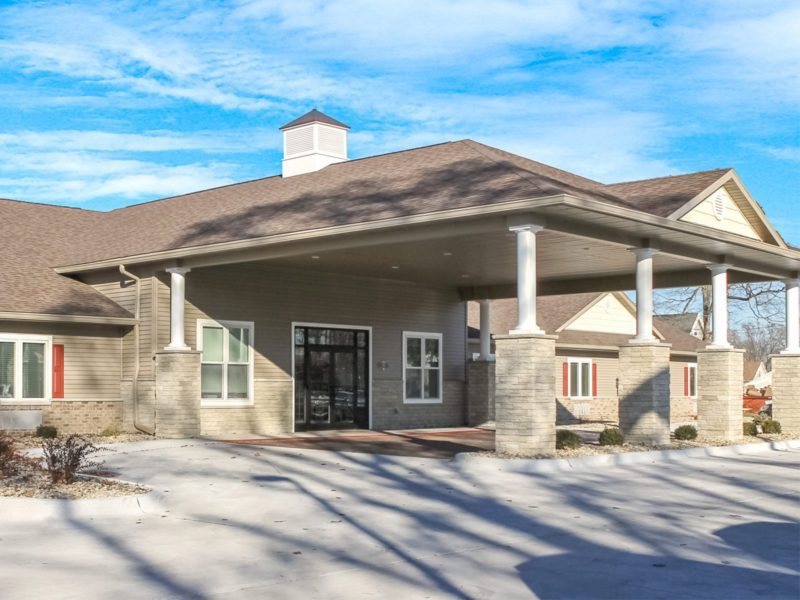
x=431, y=336
x=18, y=339
x=692, y=392
x=580, y=361
x=226, y=325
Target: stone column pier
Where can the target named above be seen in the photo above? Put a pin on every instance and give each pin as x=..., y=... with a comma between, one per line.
x=480, y=392
x=177, y=393
x=720, y=373
x=644, y=391
x=786, y=391
x=525, y=393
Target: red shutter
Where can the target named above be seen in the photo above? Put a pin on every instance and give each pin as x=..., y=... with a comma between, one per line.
x=58, y=370
x=686, y=381
x=594, y=380
x=565, y=385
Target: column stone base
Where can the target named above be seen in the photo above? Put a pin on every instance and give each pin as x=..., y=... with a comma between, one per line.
x=786, y=391
x=644, y=390
x=480, y=392
x=525, y=393
x=720, y=373
x=177, y=384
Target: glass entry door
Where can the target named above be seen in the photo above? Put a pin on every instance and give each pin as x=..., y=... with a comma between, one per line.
x=331, y=378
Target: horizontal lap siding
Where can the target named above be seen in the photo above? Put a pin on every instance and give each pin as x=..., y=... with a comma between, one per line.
x=273, y=299
x=92, y=357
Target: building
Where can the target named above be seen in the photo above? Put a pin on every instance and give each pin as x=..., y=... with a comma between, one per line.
x=590, y=328
x=334, y=295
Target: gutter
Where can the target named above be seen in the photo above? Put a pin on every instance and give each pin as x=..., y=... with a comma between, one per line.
x=137, y=360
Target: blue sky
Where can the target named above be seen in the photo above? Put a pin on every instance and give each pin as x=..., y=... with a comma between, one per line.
x=106, y=104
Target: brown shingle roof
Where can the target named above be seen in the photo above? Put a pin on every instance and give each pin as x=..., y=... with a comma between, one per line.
x=662, y=196
x=35, y=236
x=423, y=180
x=554, y=311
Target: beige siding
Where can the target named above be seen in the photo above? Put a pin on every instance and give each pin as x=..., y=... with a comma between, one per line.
x=733, y=221
x=608, y=315
x=92, y=357
x=607, y=370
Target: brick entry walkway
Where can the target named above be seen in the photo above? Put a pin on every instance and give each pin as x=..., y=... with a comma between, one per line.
x=424, y=443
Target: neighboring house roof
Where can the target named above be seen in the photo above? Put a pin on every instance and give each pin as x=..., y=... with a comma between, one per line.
x=751, y=369
x=683, y=321
x=553, y=312
x=452, y=175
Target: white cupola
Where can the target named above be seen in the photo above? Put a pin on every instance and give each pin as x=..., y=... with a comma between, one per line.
x=313, y=142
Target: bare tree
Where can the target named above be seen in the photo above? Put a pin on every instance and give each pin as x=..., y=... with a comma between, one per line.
x=762, y=302
x=759, y=342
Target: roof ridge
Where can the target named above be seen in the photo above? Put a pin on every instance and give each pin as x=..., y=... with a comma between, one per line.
x=668, y=176
x=35, y=203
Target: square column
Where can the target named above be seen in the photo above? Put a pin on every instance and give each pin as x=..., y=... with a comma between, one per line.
x=786, y=391
x=177, y=393
x=644, y=388
x=525, y=392
x=480, y=392
x=720, y=372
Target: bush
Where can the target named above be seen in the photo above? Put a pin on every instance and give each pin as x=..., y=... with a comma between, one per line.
x=46, y=431
x=770, y=426
x=685, y=432
x=66, y=458
x=8, y=454
x=750, y=428
x=567, y=439
x=611, y=436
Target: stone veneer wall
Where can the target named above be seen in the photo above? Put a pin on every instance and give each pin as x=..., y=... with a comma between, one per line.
x=786, y=391
x=389, y=411
x=525, y=413
x=177, y=393
x=480, y=392
x=720, y=372
x=77, y=416
x=644, y=384
x=271, y=413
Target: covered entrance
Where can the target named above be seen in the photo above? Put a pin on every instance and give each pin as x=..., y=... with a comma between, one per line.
x=331, y=377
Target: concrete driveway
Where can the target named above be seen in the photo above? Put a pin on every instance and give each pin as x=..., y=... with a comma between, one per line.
x=255, y=522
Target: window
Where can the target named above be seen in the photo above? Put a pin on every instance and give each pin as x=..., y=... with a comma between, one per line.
x=226, y=369
x=579, y=376
x=422, y=370
x=24, y=364
x=690, y=380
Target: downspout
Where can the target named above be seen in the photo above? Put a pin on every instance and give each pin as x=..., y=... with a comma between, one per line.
x=136, y=361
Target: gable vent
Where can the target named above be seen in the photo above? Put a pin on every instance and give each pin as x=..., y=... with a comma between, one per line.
x=719, y=207
x=312, y=142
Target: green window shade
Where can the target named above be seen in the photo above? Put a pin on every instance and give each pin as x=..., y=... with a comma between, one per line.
x=237, y=381
x=211, y=381
x=6, y=369
x=212, y=344
x=238, y=345
x=33, y=370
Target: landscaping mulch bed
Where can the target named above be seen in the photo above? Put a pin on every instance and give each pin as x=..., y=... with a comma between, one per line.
x=29, y=440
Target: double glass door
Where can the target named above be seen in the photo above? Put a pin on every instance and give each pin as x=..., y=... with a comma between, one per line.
x=331, y=378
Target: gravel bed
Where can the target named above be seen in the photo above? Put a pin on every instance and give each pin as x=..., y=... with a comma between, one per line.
x=29, y=440
x=595, y=449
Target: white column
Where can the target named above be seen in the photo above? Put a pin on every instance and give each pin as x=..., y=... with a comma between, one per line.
x=526, y=278
x=719, y=306
x=644, y=294
x=177, y=293
x=486, y=330
x=792, y=316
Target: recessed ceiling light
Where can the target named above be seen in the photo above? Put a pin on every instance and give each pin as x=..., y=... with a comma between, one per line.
x=447, y=254
x=465, y=275
x=315, y=257
x=395, y=267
